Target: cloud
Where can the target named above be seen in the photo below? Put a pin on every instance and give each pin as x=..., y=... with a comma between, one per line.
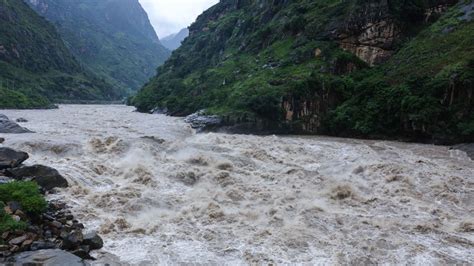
x=170, y=16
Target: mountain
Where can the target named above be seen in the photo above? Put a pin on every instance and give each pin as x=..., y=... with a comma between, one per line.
x=359, y=68
x=114, y=38
x=36, y=68
x=173, y=41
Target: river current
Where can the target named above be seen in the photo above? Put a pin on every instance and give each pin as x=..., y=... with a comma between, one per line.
x=160, y=194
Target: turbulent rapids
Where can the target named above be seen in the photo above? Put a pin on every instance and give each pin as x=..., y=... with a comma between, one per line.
x=159, y=193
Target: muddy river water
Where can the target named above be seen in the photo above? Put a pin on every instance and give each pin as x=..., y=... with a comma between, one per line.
x=159, y=193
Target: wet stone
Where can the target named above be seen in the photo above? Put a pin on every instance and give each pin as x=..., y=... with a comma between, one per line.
x=93, y=240
x=73, y=240
x=17, y=240
x=10, y=158
x=37, y=245
x=56, y=224
x=46, y=177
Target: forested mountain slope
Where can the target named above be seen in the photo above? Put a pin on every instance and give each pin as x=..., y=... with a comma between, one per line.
x=112, y=37
x=361, y=68
x=36, y=68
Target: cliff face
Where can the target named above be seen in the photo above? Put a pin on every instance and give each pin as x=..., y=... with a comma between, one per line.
x=373, y=27
x=361, y=68
x=35, y=65
x=112, y=37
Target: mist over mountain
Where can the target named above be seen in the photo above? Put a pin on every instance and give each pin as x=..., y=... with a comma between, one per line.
x=173, y=41
x=114, y=38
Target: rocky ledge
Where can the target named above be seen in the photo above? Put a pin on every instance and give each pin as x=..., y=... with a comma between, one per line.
x=53, y=237
x=200, y=121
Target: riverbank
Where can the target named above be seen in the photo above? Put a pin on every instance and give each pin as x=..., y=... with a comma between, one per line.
x=203, y=122
x=158, y=193
x=29, y=224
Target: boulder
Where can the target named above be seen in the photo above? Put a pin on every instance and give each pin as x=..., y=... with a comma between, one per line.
x=2, y=140
x=73, y=240
x=47, y=257
x=10, y=158
x=8, y=126
x=21, y=120
x=46, y=177
x=93, y=240
x=201, y=122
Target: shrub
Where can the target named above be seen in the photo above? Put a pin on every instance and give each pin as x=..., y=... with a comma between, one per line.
x=26, y=193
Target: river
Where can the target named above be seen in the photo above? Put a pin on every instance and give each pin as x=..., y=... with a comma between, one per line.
x=159, y=193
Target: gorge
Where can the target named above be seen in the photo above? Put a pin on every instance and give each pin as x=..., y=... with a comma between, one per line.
x=308, y=132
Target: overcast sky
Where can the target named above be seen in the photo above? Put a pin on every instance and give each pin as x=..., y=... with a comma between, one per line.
x=170, y=16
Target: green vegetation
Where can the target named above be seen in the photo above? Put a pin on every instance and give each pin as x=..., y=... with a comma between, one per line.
x=25, y=193
x=36, y=68
x=245, y=60
x=7, y=223
x=113, y=38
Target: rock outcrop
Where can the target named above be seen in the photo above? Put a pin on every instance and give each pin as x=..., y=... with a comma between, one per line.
x=372, y=30
x=46, y=177
x=201, y=121
x=9, y=126
x=10, y=158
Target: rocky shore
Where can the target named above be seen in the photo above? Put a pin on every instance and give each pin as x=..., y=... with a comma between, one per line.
x=52, y=237
x=201, y=121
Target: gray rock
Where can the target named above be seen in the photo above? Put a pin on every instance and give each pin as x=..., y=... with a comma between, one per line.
x=17, y=240
x=8, y=126
x=47, y=257
x=201, y=121
x=46, y=177
x=158, y=110
x=2, y=140
x=73, y=240
x=10, y=158
x=93, y=240
x=38, y=245
x=467, y=147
